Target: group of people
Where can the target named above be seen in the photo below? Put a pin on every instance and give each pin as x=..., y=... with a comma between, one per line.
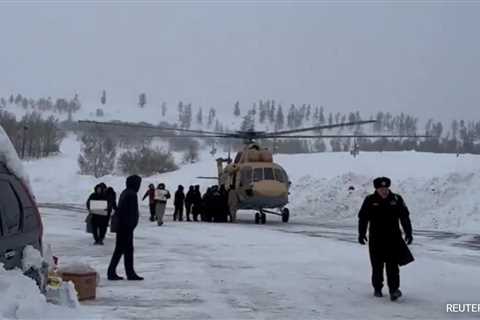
x=211, y=206
x=99, y=218
x=381, y=215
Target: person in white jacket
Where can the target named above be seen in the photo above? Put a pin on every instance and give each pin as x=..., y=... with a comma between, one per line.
x=161, y=197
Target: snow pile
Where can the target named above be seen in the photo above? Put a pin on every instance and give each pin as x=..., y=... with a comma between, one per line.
x=9, y=157
x=77, y=267
x=444, y=202
x=32, y=259
x=21, y=299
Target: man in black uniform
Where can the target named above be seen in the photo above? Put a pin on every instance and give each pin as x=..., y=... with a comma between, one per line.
x=381, y=212
x=189, y=198
x=197, y=206
x=179, y=202
x=127, y=222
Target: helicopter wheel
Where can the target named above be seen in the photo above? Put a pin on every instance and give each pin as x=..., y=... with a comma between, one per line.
x=285, y=215
x=257, y=218
x=263, y=218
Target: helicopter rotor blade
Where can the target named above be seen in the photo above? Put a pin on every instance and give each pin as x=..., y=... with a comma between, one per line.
x=328, y=126
x=144, y=126
x=180, y=136
x=345, y=136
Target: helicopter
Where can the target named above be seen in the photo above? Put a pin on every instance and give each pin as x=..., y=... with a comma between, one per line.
x=252, y=179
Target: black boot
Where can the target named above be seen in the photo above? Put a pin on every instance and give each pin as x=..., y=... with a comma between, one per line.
x=135, y=277
x=378, y=293
x=114, y=277
x=395, y=295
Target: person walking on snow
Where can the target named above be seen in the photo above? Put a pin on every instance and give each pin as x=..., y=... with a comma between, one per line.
x=161, y=197
x=151, y=200
x=128, y=216
x=99, y=220
x=381, y=213
x=179, y=202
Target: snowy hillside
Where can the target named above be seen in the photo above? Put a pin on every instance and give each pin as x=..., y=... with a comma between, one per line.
x=437, y=188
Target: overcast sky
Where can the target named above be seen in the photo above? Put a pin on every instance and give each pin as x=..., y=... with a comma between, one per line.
x=421, y=58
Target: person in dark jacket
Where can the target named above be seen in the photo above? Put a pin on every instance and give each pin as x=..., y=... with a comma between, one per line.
x=111, y=196
x=112, y=201
x=99, y=219
x=189, y=199
x=128, y=216
x=207, y=205
x=381, y=213
x=223, y=210
x=179, y=202
x=151, y=200
x=197, y=203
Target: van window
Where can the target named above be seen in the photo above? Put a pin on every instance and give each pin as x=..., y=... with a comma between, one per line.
x=257, y=174
x=9, y=207
x=268, y=173
x=279, y=176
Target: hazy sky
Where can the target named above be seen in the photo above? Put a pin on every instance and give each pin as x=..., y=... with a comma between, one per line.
x=418, y=57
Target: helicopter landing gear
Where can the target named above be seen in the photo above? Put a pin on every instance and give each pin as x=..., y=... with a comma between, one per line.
x=260, y=218
x=285, y=215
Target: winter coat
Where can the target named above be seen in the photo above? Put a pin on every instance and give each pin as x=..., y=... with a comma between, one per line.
x=179, y=198
x=189, y=199
x=127, y=213
x=197, y=197
x=382, y=217
x=151, y=196
x=112, y=200
x=96, y=196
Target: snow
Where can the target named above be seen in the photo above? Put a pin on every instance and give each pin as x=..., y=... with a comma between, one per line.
x=301, y=270
x=310, y=268
x=77, y=267
x=9, y=157
x=21, y=299
x=31, y=259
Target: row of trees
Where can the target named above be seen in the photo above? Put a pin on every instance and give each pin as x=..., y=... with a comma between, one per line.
x=32, y=136
x=60, y=105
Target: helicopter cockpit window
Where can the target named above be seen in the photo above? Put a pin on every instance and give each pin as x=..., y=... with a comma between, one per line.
x=268, y=174
x=279, y=176
x=245, y=176
x=257, y=174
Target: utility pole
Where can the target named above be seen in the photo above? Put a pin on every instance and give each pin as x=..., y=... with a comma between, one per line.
x=25, y=128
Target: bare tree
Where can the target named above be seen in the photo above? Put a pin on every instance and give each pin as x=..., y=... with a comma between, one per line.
x=97, y=156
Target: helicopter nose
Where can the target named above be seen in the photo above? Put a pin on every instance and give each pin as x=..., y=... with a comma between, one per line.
x=270, y=189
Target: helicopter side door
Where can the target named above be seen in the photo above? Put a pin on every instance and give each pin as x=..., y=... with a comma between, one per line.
x=244, y=182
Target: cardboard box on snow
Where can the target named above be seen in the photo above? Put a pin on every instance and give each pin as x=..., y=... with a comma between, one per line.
x=85, y=284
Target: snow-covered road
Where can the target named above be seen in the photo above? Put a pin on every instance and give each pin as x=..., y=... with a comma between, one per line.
x=302, y=270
